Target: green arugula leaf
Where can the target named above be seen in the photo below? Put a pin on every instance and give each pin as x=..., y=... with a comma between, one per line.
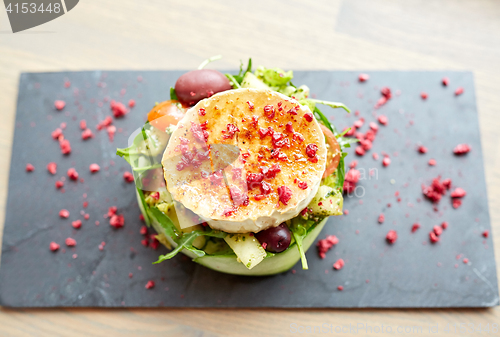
x=241, y=74
x=146, y=168
x=173, y=95
x=144, y=206
x=165, y=222
x=233, y=81
x=207, y=61
x=299, y=232
x=324, y=120
x=334, y=105
x=186, y=242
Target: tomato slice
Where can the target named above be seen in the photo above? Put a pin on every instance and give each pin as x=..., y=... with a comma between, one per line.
x=333, y=156
x=165, y=114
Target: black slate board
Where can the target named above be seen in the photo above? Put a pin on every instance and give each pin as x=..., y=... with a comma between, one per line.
x=410, y=273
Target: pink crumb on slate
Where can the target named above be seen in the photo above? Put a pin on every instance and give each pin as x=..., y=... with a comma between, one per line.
x=150, y=285
x=339, y=264
x=391, y=236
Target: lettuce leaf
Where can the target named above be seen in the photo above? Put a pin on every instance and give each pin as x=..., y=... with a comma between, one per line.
x=274, y=77
x=165, y=222
x=241, y=74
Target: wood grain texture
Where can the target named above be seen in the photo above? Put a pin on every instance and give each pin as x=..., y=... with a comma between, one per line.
x=326, y=34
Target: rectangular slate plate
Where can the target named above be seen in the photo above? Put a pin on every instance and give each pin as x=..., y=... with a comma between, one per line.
x=410, y=273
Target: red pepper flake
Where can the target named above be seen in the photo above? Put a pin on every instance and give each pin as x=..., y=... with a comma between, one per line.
x=340, y=288
x=128, y=177
x=117, y=221
x=270, y=173
x=59, y=105
x=326, y=244
x=486, y=233
x=131, y=103
x=432, y=162
x=72, y=174
x=424, y=95
x=54, y=246
x=311, y=150
x=459, y=91
x=437, y=230
x=59, y=184
x=65, y=146
x=415, y=227
x=269, y=110
x=381, y=218
x=64, y=213
x=70, y=242
x=386, y=161
x=284, y=194
x=461, y=149
x=94, y=168
x=363, y=77
x=433, y=237
x=382, y=119
x=308, y=117
x=118, y=109
x=445, y=81
x=29, y=168
x=302, y=185
x=422, y=149
x=339, y=264
x=231, y=130
x=150, y=285
x=391, y=236
x=466, y=260
x=458, y=193
x=76, y=224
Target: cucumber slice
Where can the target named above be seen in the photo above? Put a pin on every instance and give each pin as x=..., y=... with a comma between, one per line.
x=248, y=250
x=229, y=264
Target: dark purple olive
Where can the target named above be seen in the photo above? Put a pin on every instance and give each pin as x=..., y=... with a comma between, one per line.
x=275, y=239
x=196, y=85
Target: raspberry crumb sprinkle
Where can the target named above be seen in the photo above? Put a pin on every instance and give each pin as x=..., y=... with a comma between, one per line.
x=64, y=213
x=326, y=244
x=29, y=168
x=59, y=105
x=94, y=168
x=70, y=242
x=461, y=149
x=150, y=285
x=391, y=236
x=128, y=177
x=339, y=264
x=54, y=246
x=72, y=174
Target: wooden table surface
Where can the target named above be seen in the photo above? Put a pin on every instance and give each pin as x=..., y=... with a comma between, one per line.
x=326, y=34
